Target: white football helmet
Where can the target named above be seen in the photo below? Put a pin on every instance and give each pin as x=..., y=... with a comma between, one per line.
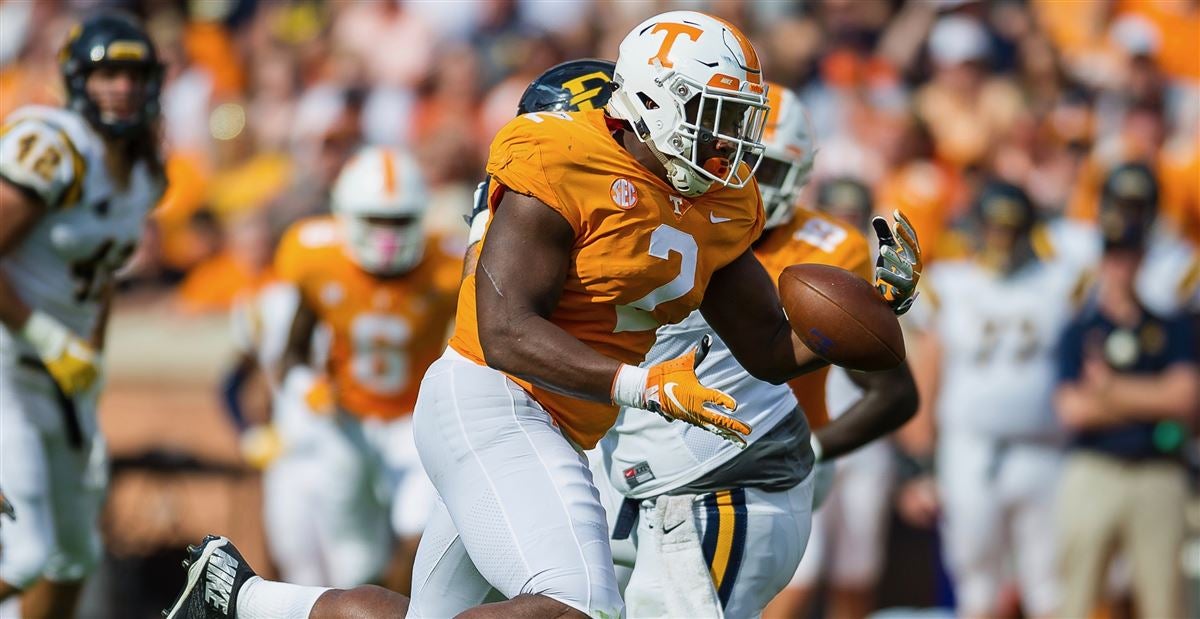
x=380, y=199
x=788, y=160
x=686, y=80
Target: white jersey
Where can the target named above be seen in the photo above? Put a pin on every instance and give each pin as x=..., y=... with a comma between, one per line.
x=999, y=338
x=90, y=226
x=651, y=456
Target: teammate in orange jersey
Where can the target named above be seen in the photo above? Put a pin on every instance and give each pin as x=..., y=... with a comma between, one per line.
x=386, y=297
x=605, y=226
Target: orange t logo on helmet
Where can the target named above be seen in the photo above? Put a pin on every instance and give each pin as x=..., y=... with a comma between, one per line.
x=673, y=31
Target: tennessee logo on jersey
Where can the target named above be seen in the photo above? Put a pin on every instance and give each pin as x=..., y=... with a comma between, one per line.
x=385, y=331
x=813, y=237
x=643, y=254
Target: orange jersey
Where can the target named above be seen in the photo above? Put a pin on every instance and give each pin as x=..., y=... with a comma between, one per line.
x=386, y=331
x=813, y=237
x=643, y=254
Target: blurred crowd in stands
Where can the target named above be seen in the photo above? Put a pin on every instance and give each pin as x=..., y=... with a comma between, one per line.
x=920, y=100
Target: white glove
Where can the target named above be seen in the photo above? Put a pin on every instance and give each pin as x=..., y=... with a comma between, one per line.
x=70, y=360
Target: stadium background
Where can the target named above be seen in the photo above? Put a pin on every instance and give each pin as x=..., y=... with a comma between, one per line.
x=264, y=99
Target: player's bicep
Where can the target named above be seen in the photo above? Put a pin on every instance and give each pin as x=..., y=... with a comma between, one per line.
x=523, y=263
x=41, y=162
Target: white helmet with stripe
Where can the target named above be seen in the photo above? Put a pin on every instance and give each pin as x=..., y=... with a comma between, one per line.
x=788, y=161
x=381, y=200
x=691, y=87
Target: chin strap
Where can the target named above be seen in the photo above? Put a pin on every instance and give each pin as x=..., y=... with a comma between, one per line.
x=684, y=179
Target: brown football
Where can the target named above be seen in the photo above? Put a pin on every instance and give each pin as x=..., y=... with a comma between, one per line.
x=841, y=317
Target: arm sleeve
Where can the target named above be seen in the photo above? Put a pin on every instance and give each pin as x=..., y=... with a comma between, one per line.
x=519, y=159
x=41, y=160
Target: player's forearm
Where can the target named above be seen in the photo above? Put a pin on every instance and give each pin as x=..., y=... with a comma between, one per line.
x=1079, y=409
x=1172, y=394
x=100, y=332
x=532, y=348
x=743, y=307
x=889, y=400
x=13, y=311
x=785, y=358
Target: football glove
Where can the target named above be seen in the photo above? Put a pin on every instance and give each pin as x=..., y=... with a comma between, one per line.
x=70, y=360
x=260, y=445
x=897, y=271
x=672, y=390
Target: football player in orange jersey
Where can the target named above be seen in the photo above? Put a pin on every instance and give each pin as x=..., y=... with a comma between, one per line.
x=606, y=224
x=386, y=297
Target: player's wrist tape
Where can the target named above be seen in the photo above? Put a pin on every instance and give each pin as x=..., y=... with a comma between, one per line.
x=47, y=336
x=479, y=224
x=818, y=451
x=629, y=386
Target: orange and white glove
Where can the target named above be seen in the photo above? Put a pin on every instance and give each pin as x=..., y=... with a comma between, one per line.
x=897, y=272
x=71, y=361
x=672, y=390
x=313, y=389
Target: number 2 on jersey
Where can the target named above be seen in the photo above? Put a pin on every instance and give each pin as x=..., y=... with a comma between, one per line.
x=637, y=316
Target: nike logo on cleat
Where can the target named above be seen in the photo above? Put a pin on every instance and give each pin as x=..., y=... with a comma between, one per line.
x=221, y=573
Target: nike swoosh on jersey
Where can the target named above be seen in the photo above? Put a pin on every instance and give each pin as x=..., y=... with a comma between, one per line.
x=717, y=220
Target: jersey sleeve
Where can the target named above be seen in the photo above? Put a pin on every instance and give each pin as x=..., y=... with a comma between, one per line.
x=855, y=256
x=41, y=160
x=519, y=160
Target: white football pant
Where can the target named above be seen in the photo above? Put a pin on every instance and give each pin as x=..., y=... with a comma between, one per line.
x=342, y=489
x=55, y=477
x=750, y=542
x=998, y=520
x=519, y=512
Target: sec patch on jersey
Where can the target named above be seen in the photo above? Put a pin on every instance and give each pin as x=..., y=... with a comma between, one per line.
x=841, y=317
